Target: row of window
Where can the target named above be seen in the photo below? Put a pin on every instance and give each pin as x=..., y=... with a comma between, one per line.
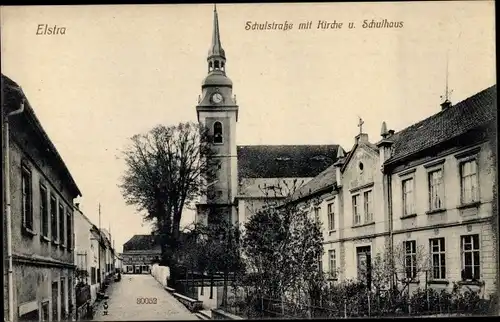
x=362, y=210
x=468, y=188
x=42, y=313
x=54, y=213
x=414, y=264
x=362, y=203
x=470, y=260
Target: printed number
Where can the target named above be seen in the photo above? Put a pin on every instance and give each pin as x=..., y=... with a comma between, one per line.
x=147, y=300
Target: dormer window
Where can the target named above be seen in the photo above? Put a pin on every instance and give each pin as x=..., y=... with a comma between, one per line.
x=218, y=132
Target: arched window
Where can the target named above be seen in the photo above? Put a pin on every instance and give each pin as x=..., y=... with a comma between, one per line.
x=222, y=65
x=216, y=64
x=210, y=66
x=217, y=132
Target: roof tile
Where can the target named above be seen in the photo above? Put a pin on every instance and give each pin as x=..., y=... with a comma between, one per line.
x=284, y=161
x=473, y=112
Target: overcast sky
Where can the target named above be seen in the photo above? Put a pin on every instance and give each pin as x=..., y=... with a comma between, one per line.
x=121, y=70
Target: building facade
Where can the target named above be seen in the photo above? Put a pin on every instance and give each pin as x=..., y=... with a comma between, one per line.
x=425, y=196
x=41, y=192
x=139, y=253
x=440, y=175
x=86, y=261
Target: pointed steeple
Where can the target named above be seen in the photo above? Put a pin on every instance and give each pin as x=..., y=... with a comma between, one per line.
x=216, y=54
x=216, y=47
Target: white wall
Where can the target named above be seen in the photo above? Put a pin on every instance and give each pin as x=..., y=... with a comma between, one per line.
x=208, y=303
x=160, y=273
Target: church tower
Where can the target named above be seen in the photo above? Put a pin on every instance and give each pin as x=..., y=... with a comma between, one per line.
x=218, y=111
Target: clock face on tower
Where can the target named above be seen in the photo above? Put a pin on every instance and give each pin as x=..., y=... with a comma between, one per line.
x=217, y=98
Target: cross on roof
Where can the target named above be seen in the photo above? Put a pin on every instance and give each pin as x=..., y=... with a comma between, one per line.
x=360, y=125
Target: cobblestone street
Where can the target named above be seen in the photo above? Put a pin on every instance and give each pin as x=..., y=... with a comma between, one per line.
x=123, y=306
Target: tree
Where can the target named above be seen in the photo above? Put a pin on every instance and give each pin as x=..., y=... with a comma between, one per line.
x=212, y=248
x=282, y=245
x=166, y=169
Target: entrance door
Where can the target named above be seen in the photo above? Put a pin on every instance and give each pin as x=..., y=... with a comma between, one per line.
x=137, y=269
x=364, y=263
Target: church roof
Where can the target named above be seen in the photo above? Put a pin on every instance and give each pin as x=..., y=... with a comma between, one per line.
x=284, y=161
x=471, y=113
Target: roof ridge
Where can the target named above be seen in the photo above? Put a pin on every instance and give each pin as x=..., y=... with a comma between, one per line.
x=246, y=145
x=451, y=108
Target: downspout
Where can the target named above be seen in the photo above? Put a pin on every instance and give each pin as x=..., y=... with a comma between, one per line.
x=391, y=222
x=8, y=205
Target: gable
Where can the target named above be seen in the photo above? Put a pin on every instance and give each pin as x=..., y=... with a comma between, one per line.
x=141, y=242
x=362, y=167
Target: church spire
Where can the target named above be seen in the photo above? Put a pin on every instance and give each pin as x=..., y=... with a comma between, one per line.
x=216, y=55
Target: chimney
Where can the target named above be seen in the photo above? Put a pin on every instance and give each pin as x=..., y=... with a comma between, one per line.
x=383, y=132
x=362, y=138
x=338, y=165
x=446, y=104
x=385, y=144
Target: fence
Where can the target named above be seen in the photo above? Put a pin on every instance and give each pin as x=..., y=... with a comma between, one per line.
x=366, y=304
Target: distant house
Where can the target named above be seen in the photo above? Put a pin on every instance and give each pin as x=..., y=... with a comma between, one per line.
x=42, y=193
x=139, y=253
x=86, y=261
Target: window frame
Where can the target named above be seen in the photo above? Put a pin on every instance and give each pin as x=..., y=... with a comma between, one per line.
x=216, y=130
x=412, y=255
x=472, y=251
x=69, y=229
x=330, y=209
x=440, y=242
x=355, y=208
x=44, y=304
x=27, y=199
x=55, y=307
x=332, y=269
x=54, y=219
x=405, y=211
x=62, y=216
x=316, y=211
x=430, y=187
x=461, y=163
x=368, y=206
x=44, y=212
x=63, y=292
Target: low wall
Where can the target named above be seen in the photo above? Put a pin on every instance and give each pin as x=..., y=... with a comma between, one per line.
x=208, y=303
x=192, y=305
x=218, y=314
x=160, y=273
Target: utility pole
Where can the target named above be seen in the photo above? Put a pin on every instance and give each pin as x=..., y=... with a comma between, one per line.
x=99, y=249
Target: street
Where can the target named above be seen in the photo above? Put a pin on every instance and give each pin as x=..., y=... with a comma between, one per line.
x=155, y=302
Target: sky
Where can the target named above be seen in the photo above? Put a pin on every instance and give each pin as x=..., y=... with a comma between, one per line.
x=120, y=70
